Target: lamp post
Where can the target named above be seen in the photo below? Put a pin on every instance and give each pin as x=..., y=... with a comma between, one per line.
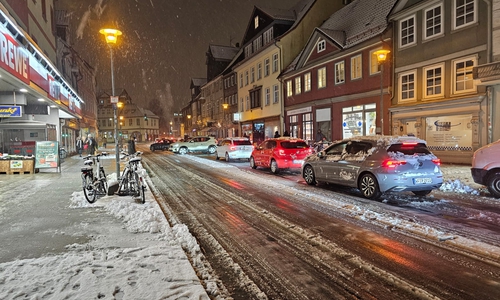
x=381, y=57
x=224, y=106
x=111, y=36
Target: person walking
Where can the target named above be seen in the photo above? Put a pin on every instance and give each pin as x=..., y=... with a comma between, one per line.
x=131, y=146
x=91, y=145
x=277, y=134
x=79, y=145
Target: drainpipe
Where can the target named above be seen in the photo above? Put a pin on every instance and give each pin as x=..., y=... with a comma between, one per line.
x=282, y=102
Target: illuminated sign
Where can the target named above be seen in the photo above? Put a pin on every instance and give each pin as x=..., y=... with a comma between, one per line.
x=7, y=111
x=13, y=56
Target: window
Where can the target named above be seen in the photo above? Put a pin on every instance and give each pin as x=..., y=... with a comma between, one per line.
x=289, y=89
x=257, y=44
x=356, y=67
x=255, y=98
x=359, y=120
x=464, y=12
x=307, y=127
x=321, y=46
x=307, y=82
x=256, y=22
x=248, y=103
x=374, y=65
x=433, y=21
x=322, y=78
x=259, y=71
x=268, y=36
x=246, y=77
x=276, y=93
x=268, y=96
x=129, y=122
x=241, y=80
x=252, y=75
x=248, y=50
x=298, y=85
x=339, y=73
x=462, y=70
x=433, y=81
x=241, y=105
x=266, y=67
x=407, y=86
x=138, y=122
x=407, y=32
x=275, y=62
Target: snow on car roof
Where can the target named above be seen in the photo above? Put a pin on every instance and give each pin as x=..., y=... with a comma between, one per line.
x=387, y=140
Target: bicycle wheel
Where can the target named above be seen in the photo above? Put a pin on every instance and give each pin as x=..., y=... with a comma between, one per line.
x=135, y=186
x=142, y=189
x=103, y=185
x=88, y=188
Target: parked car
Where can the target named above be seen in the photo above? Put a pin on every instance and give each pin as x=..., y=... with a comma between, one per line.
x=160, y=144
x=485, y=168
x=376, y=164
x=205, y=144
x=280, y=153
x=234, y=148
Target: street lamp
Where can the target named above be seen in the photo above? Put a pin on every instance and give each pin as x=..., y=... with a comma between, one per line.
x=111, y=36
x=381, y=57
x=224, y=106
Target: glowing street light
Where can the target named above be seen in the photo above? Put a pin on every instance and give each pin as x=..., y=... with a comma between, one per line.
x=381, y=57
x=111, y=36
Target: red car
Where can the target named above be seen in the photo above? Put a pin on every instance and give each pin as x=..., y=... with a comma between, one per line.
x=280, y=153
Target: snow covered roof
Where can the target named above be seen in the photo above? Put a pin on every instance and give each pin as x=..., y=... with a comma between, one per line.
x=223, y=52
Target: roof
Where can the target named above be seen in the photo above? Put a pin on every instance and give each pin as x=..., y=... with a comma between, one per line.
x=295, y=14
x=198, y=81
x=353, y=24
x=223, y=52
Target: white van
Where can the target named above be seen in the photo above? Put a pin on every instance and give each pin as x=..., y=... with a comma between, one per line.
x=486, y=167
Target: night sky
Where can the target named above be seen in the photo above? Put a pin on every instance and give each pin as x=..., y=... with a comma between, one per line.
x=163, y=43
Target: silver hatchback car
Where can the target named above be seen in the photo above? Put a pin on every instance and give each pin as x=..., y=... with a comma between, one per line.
x=376, y=164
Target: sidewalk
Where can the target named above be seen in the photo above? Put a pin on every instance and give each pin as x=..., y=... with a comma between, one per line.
x=54, y=247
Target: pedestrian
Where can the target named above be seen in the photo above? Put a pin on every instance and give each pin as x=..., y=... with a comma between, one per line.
x=91, y=145
x=131, y=146
x=79, y=146
x=277, y=134
x=319, y=136
x=286, y=133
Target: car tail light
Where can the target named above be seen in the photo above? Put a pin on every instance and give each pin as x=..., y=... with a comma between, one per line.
x=409, y=144
x=390, y=163
x=437, y=161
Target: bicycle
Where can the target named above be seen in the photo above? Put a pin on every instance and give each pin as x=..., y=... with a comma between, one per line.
x=131, y=182
x=94, y=184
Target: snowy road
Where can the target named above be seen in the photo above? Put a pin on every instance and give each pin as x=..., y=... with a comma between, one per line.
x=268, y=236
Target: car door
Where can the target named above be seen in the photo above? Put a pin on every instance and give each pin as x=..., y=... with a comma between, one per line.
x=350, y=163
x=194, y=144
x=326, y=168
x=259, y=153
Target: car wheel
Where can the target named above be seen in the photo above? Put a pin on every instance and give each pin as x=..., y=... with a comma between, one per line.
x=152, y=149
x=494, y=184
x=183, y=150
x=274, y=167
x=368, y=186
x=227, y=156
x=309, y=176
x=252, y=163
x=211, y=149
x=422, y=193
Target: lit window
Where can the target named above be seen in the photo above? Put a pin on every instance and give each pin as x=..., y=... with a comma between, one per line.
x=289, y=89
x=322, y=78
x=256, y=22
x=462, y=70
x=298, y=86
x=339, y=73
x=407, y=86
x=307, y=82
x=356, y=67
x=433, y=81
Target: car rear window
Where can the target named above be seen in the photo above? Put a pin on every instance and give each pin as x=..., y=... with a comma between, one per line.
x=294, y=145
x=409, y=148
x=242, y=143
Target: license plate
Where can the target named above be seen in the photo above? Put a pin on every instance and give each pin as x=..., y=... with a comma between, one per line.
x=423, y=180
x=297, y=162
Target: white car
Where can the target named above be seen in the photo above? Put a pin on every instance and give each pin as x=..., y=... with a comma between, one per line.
x=204, y=144
x=234, y=148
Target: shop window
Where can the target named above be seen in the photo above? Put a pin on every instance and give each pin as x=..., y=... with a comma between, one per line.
x=307, y=127
x=359, y=120
x=433, y=21
x=407, y=32
x=449, y=133
x=293, y=122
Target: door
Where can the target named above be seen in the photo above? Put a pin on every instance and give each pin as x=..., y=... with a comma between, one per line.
x=326, y=167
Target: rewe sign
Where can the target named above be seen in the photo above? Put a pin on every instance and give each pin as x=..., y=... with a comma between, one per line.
x=13, y=57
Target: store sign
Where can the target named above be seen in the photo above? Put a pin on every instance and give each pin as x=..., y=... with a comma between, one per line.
x=13, y=56
x=8, y=111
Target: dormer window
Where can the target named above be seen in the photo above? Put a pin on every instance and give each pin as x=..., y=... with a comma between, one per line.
x=321, y=46
x=256, y=22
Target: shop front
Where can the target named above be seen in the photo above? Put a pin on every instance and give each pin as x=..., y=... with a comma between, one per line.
x=451, y=129
x=260, y=130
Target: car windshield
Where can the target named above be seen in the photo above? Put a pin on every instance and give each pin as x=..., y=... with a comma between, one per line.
x=409, y=148
x=294, y=145
x=242, y=143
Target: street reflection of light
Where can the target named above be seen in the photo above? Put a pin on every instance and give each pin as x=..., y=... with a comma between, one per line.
x=233, y=183
x=234, y=220
x=284, y=205
x=391, y=249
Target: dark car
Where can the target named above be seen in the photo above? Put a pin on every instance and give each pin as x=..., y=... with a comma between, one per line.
x=160, y=144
